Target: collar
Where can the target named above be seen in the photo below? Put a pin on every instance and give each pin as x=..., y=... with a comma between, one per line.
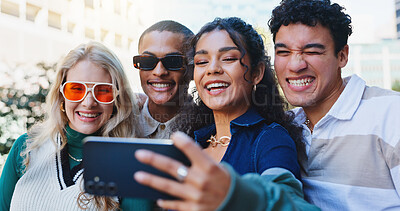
x=248, y=119
x=345, y=106
x=150, y=125
x=74, y=137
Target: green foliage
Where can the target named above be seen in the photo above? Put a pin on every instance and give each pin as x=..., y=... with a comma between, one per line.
x=23, y=92
x=396, y=86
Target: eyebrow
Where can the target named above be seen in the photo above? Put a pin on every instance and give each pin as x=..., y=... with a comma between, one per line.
x=171, y=53
x=280, y=45
x=223, y=49
x=311, y=45
x=314, y=45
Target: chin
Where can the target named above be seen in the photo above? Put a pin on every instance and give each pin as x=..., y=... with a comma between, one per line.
x=88, y=130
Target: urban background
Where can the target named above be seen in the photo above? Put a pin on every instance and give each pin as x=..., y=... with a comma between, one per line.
x=35, y=34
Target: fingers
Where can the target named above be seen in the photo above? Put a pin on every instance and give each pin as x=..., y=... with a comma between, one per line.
x=195, y=154
x=165, y=185
x=177, y=205
x=158, y=161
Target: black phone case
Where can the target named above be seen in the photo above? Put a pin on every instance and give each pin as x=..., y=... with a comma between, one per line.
x=109, y=165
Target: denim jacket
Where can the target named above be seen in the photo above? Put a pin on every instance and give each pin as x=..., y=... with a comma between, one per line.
x=255, y=146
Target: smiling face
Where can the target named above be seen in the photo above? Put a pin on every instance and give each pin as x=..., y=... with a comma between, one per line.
x=161, y=85
x=306, y=65
x=218, y=74
x=88, y=116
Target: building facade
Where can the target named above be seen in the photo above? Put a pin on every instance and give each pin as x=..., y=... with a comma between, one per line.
x=398, y=18
x=35, y=31
x=377, y=63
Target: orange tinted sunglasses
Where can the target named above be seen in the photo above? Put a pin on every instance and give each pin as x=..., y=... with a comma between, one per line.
x=76, y=91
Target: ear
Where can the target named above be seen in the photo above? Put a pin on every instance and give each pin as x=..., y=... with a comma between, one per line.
x=343, y=56
x=258, y=73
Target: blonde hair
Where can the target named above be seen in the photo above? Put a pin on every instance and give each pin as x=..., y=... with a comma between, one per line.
x=121, y=122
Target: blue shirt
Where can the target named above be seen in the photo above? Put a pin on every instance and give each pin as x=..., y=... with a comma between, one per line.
x=255, y=146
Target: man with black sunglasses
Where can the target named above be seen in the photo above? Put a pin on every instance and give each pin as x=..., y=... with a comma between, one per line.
x=164, y=77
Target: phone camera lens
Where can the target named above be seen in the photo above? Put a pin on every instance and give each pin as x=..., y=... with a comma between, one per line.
x=112, y=188
x=100, y=188
x=89, y=186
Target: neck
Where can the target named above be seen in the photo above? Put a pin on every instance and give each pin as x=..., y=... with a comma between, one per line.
x=223, y=120
x=162, y=113
x=320, y=109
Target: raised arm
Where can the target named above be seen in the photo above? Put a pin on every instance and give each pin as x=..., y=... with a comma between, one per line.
x=212, y=186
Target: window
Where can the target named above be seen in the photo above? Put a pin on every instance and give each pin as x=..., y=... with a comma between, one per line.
x=89, y=4
x=117, y=6
x=54, y=20
x=10, y=8
x=70, y=27
x=89, y=33
x=103, y=34
x=118, y=40
x=31, y=12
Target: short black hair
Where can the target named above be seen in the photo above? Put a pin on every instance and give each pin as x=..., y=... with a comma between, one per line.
x=312, y=12
x=170, y=26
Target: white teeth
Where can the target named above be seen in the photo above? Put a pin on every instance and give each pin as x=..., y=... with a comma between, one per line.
x=301, y=82
x=160, y=85
x=91, y=115
x=215, y=85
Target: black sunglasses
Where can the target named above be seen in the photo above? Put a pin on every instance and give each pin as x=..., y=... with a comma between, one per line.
x=149, y=62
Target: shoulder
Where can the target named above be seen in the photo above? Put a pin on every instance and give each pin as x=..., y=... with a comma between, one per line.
x=380, y=103
x=15, y=156
x=275, y=134
x=377, y=92
x=274, y=129
x=20, y=143
x=141, y=99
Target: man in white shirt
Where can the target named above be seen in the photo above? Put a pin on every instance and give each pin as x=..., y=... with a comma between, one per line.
x=352, y=131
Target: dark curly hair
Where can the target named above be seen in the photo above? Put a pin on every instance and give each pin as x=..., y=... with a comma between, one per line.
x=312, y=12
x=266, y=98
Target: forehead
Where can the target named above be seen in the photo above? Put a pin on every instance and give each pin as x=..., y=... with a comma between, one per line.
x=214, y=40
x=298, y=35
x=161, y=43
x=86, y=70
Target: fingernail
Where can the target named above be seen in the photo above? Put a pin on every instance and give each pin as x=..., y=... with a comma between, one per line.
x=178, y=135
x=160, y=202
x=139, y=176
x=141, y=153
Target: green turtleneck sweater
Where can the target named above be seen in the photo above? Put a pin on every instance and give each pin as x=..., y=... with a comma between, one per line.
x=13, y=170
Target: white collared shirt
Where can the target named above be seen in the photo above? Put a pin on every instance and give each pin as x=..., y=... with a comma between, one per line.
x=151, y=128
x=353, y=154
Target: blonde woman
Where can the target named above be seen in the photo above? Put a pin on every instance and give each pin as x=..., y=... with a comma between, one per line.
x=90, y=96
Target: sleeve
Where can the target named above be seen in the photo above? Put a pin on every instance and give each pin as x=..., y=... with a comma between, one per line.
x=12, y=171
x=275, y=148
x=394, y=165
x=277, y=191
x=132, y=204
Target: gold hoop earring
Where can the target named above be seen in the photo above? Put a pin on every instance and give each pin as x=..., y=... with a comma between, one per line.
x=62, y=107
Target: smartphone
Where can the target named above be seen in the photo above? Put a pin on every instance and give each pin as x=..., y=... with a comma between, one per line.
x=110, y=163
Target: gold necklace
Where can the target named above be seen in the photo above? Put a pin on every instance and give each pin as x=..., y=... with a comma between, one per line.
x=214, y=142
x=309, y=124
x=75, y=159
